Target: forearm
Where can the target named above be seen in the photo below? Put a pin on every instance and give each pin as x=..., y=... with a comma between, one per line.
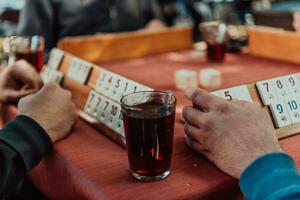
x=271, y=177
x=23, y=143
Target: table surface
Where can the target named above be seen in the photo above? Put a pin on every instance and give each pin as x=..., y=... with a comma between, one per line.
x=88, y=165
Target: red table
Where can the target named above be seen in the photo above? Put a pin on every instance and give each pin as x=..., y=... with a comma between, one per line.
x=87, y=165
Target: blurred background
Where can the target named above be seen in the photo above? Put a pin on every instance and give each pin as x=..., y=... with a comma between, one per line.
x=274, y=13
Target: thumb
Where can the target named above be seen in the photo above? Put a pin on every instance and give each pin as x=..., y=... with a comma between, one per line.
x=13, y=96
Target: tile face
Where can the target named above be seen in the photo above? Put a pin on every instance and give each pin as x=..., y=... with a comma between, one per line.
x=114, y=110
x=266, y=92
x=55, y=58
x=280, y=114
x=104, y=110
x=293, y=84
x=106, y=83
x=242, y=93
x=93, y=104
x=216, y=93
x=50, y=75
x=280, y=86
x=293, y=108
x=125, y=88
x=227, y=94
x=79, y=70
x=238, y=93
x=118, y=125
x=100, y=85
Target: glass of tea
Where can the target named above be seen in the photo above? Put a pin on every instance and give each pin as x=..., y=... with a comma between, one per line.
x=149, y=127
x=215, y=35
x=29, y=48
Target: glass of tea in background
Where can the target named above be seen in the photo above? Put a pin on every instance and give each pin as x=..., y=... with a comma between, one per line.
x=149, y=127
x=29, y=48
x=215, y=36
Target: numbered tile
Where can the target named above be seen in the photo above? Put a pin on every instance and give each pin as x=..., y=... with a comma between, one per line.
x=93, y=104
x=239, y=93
x=293, y=109
x=50, y=75
x=100, y=85
x=55, y=58
x=266, y=92
x=104, y=110
x=105, y=83
x=124, y=89
x=227, y=94
x=79, y=70
x=293, y=85
x=118, y=125
x=280, y=87
x=112, y=118
x=89, y=103
x=280, y=114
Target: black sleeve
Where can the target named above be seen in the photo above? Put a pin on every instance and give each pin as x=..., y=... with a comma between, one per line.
x=23, y=143
x=38, y=18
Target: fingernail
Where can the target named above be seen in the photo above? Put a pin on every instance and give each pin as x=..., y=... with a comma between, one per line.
x=189, y=92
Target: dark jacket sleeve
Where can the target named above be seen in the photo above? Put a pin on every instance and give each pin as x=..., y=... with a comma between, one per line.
x=38, y=18
x=271, y=177
x=23, y=143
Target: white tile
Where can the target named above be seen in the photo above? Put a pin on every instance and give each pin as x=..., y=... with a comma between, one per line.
x=266, y=92
x=216, y=93
x=50, y=75
x=114, y=110
x=118, y=125
x=104, y=110
x=88, y=108
x=293, y=84
x=125, y=88
x=242, y=93
x=55, y=58
x=100, y=85
x=79, y=70
x=293, y=108
x=280, y=86
x=280, y=114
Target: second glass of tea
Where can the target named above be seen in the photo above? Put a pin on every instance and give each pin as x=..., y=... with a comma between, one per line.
x=29, y=48
x=149, y=127
x=215, y=36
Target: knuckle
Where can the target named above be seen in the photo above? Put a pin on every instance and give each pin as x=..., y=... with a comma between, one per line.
x=207, y=124
x=222, y=107
x=185, y=112
x=195, y=97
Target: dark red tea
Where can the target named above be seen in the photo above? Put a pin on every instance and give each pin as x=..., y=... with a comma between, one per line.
x=216, y=52
x=33, y=57
x=149, y=141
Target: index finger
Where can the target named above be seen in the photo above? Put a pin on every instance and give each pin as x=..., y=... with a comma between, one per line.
x=201, y=99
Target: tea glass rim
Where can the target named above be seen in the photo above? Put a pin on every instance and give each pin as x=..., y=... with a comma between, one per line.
x=133, y=108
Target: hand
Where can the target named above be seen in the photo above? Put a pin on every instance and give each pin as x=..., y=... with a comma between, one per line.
x=230, y=134
x=155, y=25
x=52, y=108
x=14, y=77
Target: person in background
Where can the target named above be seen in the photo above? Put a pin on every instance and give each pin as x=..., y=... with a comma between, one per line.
x=240, y=139
x=29, y=137
x=55, y=19
x=296, y=22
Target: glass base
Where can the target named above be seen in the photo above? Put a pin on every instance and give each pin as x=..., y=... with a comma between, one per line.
x=150, y=178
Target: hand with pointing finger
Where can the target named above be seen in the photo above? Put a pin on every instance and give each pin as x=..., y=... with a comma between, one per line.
x=230, y=134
